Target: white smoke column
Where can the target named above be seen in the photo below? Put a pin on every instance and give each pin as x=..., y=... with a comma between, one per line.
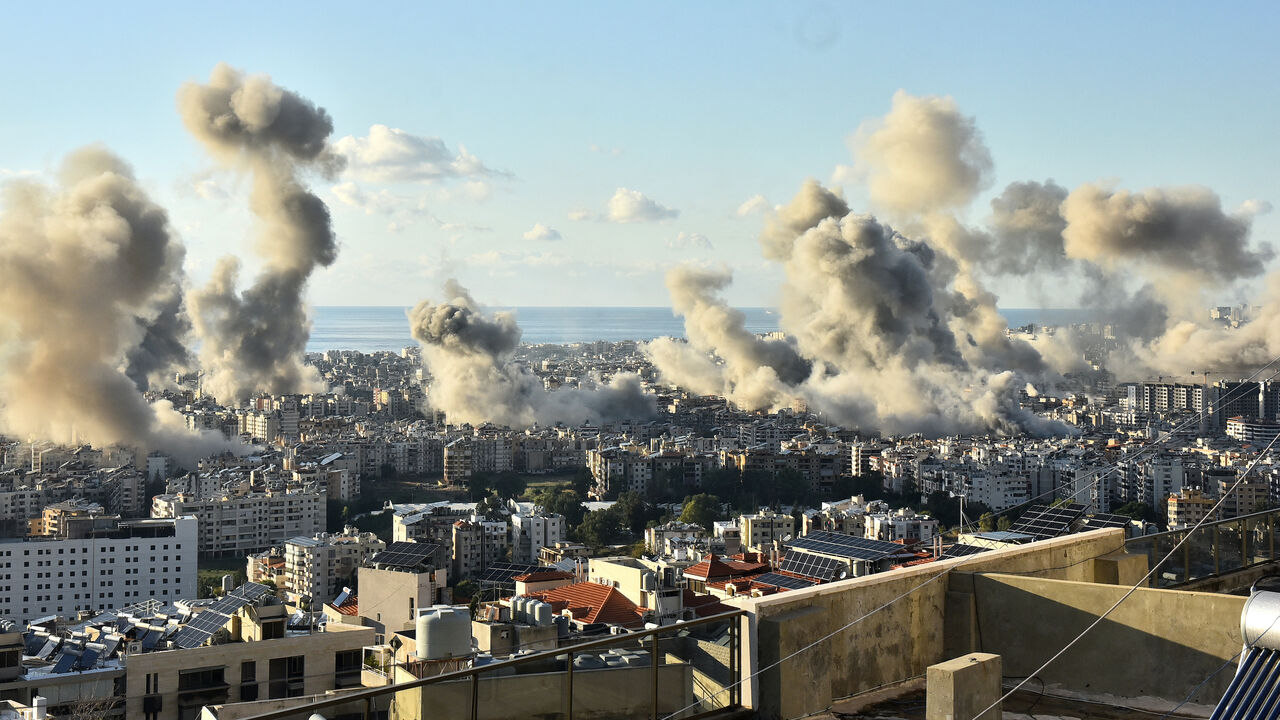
x=254, y=340
x=86, y=270
x=756, y=372
x=475, y=380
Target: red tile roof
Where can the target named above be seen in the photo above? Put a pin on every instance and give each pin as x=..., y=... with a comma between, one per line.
x=351, y=606
x=592, y=603
x=713, y=569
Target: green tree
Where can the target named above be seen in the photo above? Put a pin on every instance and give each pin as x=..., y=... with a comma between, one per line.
x=633, y=512
x=509, y=485
x=791, y=488
x=701, y=509
x=478, y=486
x=600, y=528
x=491, y=507
x=986, y=523
x=582, y=481
x=1138, y=511
x=565, y=502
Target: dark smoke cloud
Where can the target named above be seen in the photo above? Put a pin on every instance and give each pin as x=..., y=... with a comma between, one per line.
x=475, y=380
x=88, y=276
x=254, y=340
x=1027, y=227
x=1174, y=229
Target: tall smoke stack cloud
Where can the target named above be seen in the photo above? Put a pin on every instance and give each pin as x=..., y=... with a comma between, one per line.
x=254, y=340
x=89, y=278
x=474, y=378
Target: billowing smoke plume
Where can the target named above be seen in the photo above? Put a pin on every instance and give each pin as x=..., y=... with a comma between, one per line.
x=89, y=277
x=254, y=340
x=475, y=380
x=895, y=323
x=756, y=372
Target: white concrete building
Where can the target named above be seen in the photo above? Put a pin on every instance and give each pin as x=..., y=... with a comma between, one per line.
x=532, y=532
x=319, y=566
x=245, y=522
x=110, y=568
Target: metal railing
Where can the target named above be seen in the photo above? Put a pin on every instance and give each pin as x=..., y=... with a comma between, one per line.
x=685, y=671
x=1218, y=547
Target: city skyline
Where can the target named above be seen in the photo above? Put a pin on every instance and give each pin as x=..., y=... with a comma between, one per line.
x=633, y=122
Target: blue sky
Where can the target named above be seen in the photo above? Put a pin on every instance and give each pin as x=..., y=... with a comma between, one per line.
x=698, y=107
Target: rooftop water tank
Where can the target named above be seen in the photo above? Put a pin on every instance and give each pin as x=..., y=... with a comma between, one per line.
x=542, y=614
x=444, y=632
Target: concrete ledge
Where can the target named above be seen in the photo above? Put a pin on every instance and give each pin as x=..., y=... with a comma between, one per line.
x=959, y=689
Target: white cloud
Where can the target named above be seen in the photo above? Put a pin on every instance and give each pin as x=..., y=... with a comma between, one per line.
x=690, y=241
x=541, y=232
x=1254, y=207
x=615, y=151
x=390, y=155
x=632, y=206
x=579, y=215
x=754, y=205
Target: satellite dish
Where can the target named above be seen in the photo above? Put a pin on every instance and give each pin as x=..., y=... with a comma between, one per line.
x=843, y=574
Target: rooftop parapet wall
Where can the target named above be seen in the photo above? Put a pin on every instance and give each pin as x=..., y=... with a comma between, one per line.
x=1158, y=643
x=896, y=643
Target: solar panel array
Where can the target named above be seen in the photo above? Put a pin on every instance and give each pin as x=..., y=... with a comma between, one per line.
x=202, y=627
x=782, y=581
x=503, y=574
x=959, y=550
x=846, y=546
x=819, y=567
x=1048, y=521
x=1106, y=520
x=405, y=554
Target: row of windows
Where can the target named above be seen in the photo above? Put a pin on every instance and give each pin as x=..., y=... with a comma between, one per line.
x=101, y=548
x=89, y=596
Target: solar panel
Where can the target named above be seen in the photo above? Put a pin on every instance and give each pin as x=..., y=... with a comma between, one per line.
x=191, y=637
x=405, y=554
x=87, y=660
x=782, y=581
x=342, y=597
x=846, y=546
x=109, y=646
x=819, y=567
x=65, y=662
x=32, y=643
x=959, y=550
x=50, y=645
x=1045, y=521
x=1106, y=520
x=504, y=574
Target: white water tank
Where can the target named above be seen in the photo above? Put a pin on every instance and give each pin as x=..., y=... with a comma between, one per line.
x=542, y=614
x=444, y=632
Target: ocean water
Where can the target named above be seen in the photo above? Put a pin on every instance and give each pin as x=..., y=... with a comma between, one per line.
x=387, y=328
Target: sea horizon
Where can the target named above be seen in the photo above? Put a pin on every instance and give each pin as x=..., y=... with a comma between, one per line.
x=370, y=328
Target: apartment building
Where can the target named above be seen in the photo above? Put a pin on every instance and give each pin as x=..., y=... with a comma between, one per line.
x=126, y=562
x=472, y=454
x=477, y=544
x=318, y=567
x=533, y=531
x=248, y=521
x=761, y=529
